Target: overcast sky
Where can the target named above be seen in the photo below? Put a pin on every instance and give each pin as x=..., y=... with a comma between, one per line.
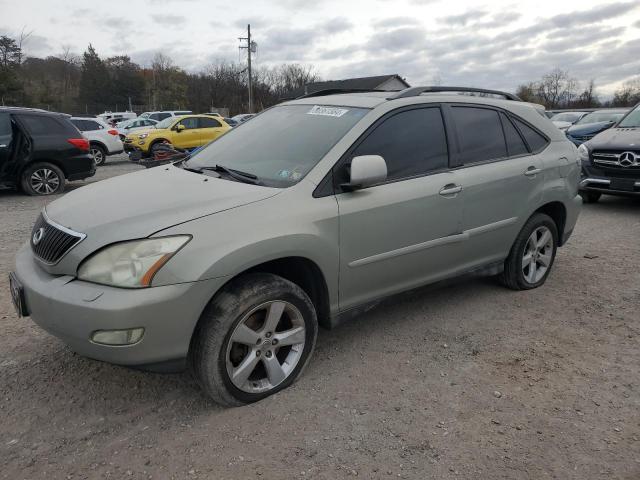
x=496, y=44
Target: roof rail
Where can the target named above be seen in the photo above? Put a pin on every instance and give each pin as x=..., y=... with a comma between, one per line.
x=415, y=91
x=333, y=91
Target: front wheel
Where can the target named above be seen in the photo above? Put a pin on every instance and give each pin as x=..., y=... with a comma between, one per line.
x=532, y=254
x=253, y=339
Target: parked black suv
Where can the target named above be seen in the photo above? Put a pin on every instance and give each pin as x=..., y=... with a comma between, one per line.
x=611, y=160
x=39, y=150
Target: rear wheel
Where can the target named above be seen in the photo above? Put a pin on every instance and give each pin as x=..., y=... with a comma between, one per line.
x=254, y=339
x=532, y=254
x=158, y=146
x=590, y=197
x=42, y=179
x=99, y=154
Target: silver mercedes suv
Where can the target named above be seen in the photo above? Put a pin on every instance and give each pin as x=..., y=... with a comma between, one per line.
x=311, y=212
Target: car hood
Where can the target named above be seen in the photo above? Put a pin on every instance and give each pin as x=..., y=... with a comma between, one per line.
x=139, y=204
x=588, y=128
x=617, y=139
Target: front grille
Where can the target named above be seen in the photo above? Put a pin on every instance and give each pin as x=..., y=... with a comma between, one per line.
x=612, y=159
x=51, y=242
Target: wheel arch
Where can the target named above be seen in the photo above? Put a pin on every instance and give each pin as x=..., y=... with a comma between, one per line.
x=42, y=160
x=99, y=144
x=558, y=213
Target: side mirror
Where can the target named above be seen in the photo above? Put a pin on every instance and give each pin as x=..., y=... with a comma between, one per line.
x=179, y=128
x=366, y=170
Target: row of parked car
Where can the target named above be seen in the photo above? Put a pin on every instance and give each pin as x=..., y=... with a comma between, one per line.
x=582, y=126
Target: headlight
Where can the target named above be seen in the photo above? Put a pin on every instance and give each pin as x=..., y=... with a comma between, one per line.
x=583, y=153
x=143, y=135
x=131, y=264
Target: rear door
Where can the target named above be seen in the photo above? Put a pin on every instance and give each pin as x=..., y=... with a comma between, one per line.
x=402, y=232
x=502, y=179
x=210, y=129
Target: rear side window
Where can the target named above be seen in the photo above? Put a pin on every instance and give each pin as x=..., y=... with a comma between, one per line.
x=87, y=125
x=209, y=123
x=535, y=140
x=43, y=125
x=412, y=142
x=479, y=134
x=515, y=144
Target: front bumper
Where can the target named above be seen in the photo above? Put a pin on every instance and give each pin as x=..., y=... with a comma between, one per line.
x=598, y=180
x=72, y=310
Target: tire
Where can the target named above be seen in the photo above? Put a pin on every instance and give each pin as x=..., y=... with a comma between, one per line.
x=522, y=274
x=156, y=145
x=233, y=350
x=99, y=154
x=42, y=178
x=590, y=197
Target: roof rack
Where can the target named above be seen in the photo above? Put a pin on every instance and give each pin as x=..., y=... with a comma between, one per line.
x=415, y=91
x=333, y=91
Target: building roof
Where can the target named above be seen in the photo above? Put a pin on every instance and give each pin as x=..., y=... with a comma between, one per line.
x=362, y=83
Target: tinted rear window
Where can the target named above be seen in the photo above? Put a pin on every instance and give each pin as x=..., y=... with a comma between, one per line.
x=86, y=125
x=515, y=144
x=535, y=140
x=479, y=133
x=43, y=124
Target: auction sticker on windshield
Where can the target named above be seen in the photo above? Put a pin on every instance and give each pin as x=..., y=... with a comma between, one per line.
x=327, y=111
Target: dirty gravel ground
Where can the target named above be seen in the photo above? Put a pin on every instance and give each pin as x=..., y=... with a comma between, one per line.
x=466, y=381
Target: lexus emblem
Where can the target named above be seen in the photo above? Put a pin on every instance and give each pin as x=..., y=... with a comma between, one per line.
x=37, y=237
x=627, y=159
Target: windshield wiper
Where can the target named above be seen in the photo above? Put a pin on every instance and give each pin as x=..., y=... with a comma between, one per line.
x=235, y=174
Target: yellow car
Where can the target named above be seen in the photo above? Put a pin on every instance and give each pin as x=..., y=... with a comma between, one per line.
x=186, y=131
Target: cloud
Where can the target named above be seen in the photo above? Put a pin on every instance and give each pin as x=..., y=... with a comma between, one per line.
x=398, y=40
x=594, y=15
x=464, y=18
x=392, y=22
x=169, y=20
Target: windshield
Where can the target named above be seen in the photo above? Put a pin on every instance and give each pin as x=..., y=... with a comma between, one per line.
x=600, y=117
x=166, y=123
x=281, y=145
x=631, y=120
x=567, y=117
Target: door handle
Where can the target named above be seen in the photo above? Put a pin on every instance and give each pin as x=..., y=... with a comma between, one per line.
x=532, y=171
x=450, y=189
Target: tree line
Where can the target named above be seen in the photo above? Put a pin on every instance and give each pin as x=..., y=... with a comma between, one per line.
x=91, y=84
x=558, y=89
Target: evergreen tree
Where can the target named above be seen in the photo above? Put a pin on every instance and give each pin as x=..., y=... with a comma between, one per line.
x=94, y=82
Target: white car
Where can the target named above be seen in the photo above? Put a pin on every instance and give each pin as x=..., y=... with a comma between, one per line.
x=128, y=126
x=161, y=115
x=103, y=139
x=564, y=120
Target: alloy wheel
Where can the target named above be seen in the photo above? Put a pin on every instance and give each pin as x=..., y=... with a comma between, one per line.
x=265, y=347
x=98, y=156
x=44, y=181
x=538, y=253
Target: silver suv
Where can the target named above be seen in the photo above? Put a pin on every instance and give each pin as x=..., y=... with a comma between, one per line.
x=311, y=212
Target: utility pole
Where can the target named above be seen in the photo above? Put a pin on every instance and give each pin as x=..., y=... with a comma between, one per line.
x=251, y=48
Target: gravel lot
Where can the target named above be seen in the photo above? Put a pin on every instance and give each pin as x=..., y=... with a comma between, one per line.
x=465, y=381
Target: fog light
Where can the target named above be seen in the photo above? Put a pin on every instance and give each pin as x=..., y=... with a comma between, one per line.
x=118, y=337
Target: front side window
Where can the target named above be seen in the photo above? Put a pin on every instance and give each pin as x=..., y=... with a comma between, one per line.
x=281, y=145
x=5, y=129
x=412, y=143
x=479, y=134
x=166, y=123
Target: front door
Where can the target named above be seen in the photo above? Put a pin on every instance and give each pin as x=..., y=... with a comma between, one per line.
x=6, y=145
x=190, y=136
x=403, y=232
